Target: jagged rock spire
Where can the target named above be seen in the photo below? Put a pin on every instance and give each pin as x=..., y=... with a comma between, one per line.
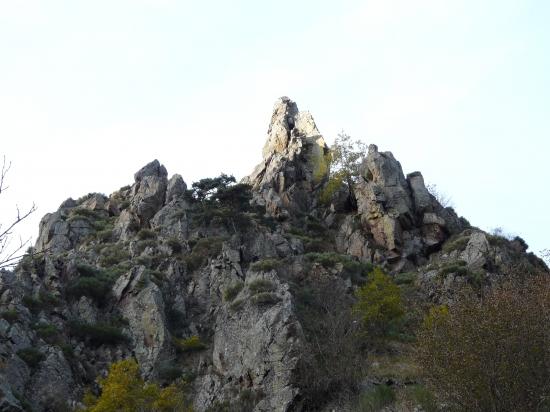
x=295, y=160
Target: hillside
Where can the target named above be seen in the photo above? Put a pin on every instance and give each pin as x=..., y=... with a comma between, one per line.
x=244, y=291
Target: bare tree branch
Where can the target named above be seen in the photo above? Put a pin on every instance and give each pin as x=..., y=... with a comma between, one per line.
x=8, y=255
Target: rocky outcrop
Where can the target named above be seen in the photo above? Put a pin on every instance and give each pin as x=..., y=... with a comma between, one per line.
x=399, y=214
x=216, y=294
x=295, y=162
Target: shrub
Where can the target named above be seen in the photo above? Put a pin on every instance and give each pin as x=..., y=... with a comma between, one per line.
x=124, y=390
x=458, y=268
x=260, y=285
x=31, y=356
x=333, y=185
x=405, y=278
x=144, y=244
x=490, y=353
x=459, y=243
x=47, y=332
x=97, y=288
x=145, y=234
x=174, y=244
x=35, y=305
x=104, y=235
x=265, y=298
x=231, y=292
x=265, y=265
x=191, y=344
x=10, y=315
x=113, y=255
x=97, y=333
x=333, y=362
x=379, y=304
x=236, y=305
x=376, y=399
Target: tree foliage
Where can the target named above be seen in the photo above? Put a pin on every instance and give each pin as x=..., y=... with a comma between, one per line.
x=491, y=354
x=123, y=390
x=220, y=199
x=347, y=156
x=379, y=304
x=345, y=164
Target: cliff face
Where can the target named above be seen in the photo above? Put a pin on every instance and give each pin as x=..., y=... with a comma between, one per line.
x=140, y=272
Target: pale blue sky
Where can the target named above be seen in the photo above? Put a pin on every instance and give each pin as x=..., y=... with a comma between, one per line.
x=460, y=90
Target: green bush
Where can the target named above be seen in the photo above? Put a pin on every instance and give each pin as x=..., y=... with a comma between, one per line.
x=376, y=399
x=144, y=244
x=265, y=298
x=113, y=255
x=327, y=193
x=47, y=332
x=31, y=356
x=97, y=334
x=458, y=267
x=260, y=285
x=145, y=234
x=174, y=244
x=405, y=278
x=456, y=243
x=236, y=305
x=97, y=288
x=231, y=292
x=379, y=304
x=10, y=315
x=191, y=344
x=104, y=235
x=265, y=265
x=35, y=305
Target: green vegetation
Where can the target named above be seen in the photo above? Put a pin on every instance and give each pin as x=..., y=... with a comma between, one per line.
x=237, y=305
x=231, y=292
x=265, y=298
x=97, y=334
x=10, y=315
x=219, y=201
x=191, y=344
x=260, y=286
x=113, y=254
x=355, y=270
x=456, y=243
x=31, y=356
x=492, y=353
x=93, y=282
x=174, y=244
x=47, y=332
x=203, y=249
x=265, y=265
x=379, y=304
x=376, y=399
x=123, y=390
x=35, y=305
x=145, y=234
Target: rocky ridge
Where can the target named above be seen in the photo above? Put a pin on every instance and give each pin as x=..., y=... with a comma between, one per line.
x=151, y=273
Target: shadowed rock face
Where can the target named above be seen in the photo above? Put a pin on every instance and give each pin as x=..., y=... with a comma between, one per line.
x=144, y=262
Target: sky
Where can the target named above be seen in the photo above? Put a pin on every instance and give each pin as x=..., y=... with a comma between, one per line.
x=90, y=91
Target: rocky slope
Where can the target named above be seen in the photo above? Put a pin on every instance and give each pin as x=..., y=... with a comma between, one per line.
x=211, y=294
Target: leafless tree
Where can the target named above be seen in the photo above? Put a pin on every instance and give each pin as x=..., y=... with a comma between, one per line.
x=443, y=199
x=11, y=251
